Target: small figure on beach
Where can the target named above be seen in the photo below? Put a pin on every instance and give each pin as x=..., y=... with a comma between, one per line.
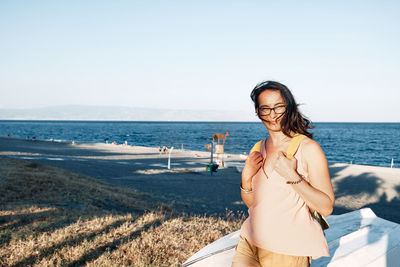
x=106, y=140
x=286, y=186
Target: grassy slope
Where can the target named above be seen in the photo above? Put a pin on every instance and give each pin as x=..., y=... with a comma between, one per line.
x=50, y=216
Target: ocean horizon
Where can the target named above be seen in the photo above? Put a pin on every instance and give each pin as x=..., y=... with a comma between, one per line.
x=365, y=143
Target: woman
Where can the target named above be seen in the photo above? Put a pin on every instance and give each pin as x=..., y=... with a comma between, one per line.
x=280, y=192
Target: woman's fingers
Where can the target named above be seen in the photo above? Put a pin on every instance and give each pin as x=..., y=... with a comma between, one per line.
x=255, y=158
x=253, y=163
x=255, y=154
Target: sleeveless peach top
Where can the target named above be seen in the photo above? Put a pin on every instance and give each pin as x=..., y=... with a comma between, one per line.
x=279, y=219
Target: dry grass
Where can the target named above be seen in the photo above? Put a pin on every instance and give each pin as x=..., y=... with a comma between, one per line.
x=26, y=182
x=52, y=217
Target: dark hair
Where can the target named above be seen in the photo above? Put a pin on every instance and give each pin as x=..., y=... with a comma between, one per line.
x=293, y=120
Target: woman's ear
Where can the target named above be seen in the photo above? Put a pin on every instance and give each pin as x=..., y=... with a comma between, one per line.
x=257, y=114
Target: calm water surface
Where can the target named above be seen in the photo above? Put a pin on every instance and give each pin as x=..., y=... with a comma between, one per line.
x=359, y=143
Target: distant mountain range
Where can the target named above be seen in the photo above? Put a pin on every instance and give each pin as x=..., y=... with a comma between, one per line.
x=110, y=113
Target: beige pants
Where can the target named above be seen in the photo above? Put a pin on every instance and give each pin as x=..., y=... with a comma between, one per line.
x=253, y=256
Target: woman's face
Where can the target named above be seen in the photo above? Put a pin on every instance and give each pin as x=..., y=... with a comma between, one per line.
x=267, y=100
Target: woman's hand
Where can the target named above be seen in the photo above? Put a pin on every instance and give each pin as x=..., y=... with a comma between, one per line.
x=285, y=167
x=252, y=165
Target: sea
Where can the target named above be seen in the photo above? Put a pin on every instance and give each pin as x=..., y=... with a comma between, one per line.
x=376, y=144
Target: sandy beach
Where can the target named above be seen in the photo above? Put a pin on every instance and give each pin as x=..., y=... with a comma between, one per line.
x=188, y=187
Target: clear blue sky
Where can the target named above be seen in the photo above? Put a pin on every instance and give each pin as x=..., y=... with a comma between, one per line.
x=340, y=58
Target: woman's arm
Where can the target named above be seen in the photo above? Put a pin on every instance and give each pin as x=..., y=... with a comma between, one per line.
x=252, y=165
x=320, y=180
x=318, y=193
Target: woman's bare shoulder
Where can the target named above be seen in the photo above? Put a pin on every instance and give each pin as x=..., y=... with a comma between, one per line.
x=314, y=158
x=311, y=147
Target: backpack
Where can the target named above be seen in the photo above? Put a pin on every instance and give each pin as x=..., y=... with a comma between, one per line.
x=292, y=149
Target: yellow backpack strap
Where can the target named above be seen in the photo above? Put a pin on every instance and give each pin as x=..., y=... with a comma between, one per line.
x=257, y=147
x=294, y=145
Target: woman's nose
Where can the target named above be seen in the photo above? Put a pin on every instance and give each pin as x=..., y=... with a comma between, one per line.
x=273, y=115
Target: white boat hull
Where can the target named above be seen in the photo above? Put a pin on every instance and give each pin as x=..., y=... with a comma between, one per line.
x=357, y=238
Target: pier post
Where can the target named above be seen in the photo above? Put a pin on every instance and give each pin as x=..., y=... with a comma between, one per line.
x=169, y=158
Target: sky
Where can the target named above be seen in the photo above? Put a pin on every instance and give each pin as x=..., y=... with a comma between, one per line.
x=341, y=59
